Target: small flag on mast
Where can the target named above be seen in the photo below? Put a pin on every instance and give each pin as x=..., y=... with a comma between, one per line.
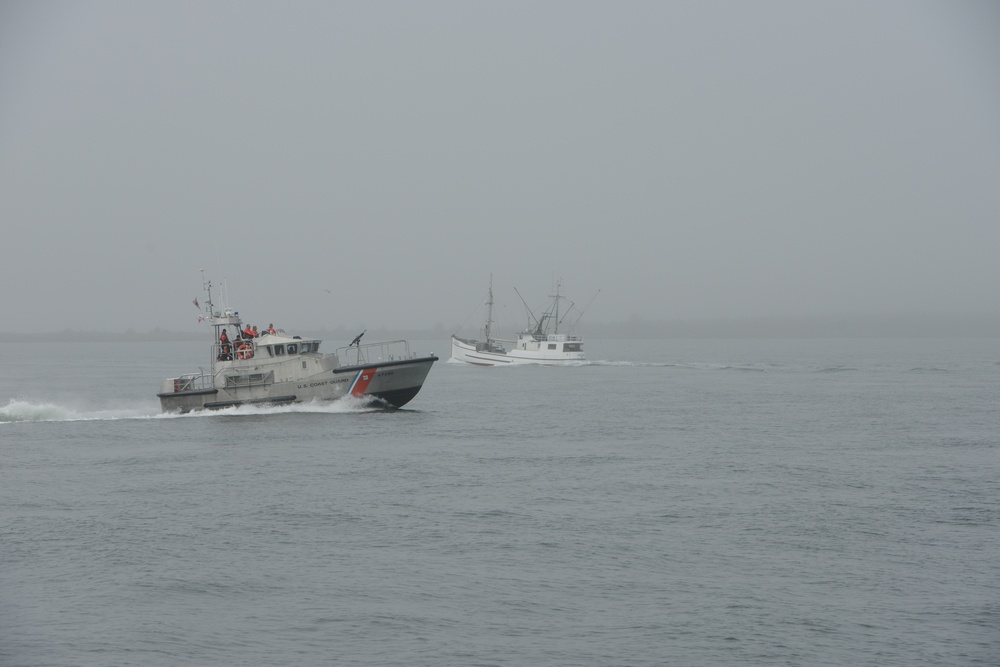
x=195, y=302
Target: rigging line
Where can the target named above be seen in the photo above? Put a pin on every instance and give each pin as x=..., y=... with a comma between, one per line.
x=572, y=305
x=530, y=314
x=474, y=311
x=585, y=309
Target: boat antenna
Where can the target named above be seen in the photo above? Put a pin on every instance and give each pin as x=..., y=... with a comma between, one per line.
x=207, y=286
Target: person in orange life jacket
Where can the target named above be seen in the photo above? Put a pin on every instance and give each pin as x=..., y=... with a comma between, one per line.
x=247, y=333
x=270, y=329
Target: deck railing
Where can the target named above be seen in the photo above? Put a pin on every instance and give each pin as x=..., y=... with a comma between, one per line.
x=187, y=382
x=357, y=355
x=249, y=380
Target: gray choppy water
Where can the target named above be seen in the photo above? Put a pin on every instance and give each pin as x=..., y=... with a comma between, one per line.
x=677, y=502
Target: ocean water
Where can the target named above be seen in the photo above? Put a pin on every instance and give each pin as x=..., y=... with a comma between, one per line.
x=710, y=502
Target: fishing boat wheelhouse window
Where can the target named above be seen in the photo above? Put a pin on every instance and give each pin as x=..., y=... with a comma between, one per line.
x=306, y=347
x=293, y=348
x=279, y=350
x=573, y=347
x=552, y=346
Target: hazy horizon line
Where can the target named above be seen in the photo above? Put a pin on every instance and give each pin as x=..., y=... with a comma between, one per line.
x=855, y=326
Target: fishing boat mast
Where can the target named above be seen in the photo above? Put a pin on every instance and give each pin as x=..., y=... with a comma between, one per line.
x=557, y=297
x=489, y=314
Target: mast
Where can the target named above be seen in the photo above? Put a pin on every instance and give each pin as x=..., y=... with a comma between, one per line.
x=207, y=286
x=558, y=285
x=489, y=312
x=219, y=320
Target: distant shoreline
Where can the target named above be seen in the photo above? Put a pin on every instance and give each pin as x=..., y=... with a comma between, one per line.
x=635, y=329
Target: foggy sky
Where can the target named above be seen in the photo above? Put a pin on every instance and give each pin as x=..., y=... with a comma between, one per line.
x=688, y=159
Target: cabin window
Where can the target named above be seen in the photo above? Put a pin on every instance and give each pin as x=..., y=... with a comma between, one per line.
x=316, y=346
x=552, y=346
x=270, y=351
x=293, y=348
x=303, y=365
x=306, y=347
x=573, y=347
x=279, y=350
x=233, y=381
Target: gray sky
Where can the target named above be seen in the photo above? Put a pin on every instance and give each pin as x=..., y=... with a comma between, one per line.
x=689, y=159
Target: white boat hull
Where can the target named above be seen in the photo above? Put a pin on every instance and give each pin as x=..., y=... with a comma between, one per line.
x=522, y=352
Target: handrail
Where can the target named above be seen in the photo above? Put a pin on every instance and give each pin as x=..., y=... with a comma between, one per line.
x=554, y=338
x=199, y=381
x=249, y=380
x=356, y=355
x=234, y=352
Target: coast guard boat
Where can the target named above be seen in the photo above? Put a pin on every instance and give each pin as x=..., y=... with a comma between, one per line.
x=534, y=345
x=275, y=368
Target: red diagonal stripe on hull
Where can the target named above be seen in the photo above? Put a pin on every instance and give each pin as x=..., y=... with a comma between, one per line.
x=364, y=377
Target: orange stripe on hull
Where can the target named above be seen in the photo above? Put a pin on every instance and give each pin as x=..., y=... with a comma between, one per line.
x=362, y=380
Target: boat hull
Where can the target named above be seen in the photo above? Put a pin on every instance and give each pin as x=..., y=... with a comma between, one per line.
x=470, y=352
x=394, y=382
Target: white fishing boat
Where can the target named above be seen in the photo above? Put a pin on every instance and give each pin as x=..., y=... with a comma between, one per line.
x=277, y=368
x=539, y=343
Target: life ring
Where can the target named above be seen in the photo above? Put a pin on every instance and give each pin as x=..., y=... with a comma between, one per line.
x=244, y=351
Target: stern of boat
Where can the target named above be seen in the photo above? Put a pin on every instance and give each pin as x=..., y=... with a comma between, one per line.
x=186, y=393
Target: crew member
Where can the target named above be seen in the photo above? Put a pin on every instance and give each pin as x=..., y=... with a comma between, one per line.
x=225, y=351
x=270, y=329
x=248, y=332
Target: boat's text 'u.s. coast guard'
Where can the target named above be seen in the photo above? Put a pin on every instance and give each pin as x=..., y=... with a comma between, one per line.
x=275, y=368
